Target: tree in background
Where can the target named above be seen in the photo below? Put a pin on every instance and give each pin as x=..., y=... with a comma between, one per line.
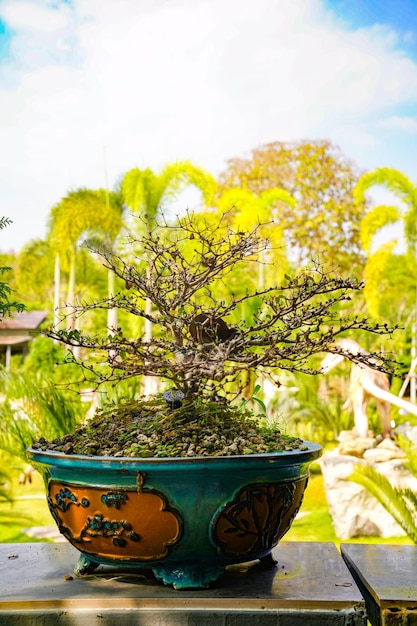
x=244, y=210
x=34, y=274
x=6, y=304
x=324, y=226
x=383, y=266
x=89, y=213
x=147, y=193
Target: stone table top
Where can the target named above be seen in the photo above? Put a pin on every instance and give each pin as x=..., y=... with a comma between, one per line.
x=387, y=578
x=310, y=583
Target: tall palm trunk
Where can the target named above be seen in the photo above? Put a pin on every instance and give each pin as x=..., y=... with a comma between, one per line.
x=57, y=289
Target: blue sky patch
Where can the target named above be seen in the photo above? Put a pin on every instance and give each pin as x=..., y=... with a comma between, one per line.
x=4, y=40
x=400, y=15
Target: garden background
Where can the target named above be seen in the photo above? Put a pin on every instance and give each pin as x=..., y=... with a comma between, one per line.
x=301, y=115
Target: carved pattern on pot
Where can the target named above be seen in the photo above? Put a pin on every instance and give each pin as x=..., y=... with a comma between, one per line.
x=65, y=498
x=116, y=523
x=258, y=516
x=114, y=498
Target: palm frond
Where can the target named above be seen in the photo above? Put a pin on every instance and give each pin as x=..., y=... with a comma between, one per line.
x=144, y=191
x=411, y=498
x=32, y=408
x=5, y=221
x=374, y=220
x=374, y=275
x=275, y=194
x=392, y=179
x=133, y=188
x=175, y=176
x=84, y=211
x=393, y=499
x=409, y=448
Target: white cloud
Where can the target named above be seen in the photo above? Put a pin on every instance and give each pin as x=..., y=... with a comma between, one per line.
x=403, y=124
x=199, y=79
x=42, y=17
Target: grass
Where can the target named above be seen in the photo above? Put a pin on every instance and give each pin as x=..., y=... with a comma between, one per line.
x=313, y=523
x=29, y=508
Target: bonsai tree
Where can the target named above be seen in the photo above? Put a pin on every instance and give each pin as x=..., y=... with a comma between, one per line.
x=202, y=342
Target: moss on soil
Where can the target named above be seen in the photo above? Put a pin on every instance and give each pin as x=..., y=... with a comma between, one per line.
x=148, y=428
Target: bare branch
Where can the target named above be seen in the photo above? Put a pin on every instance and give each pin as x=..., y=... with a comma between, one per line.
x=194, y=344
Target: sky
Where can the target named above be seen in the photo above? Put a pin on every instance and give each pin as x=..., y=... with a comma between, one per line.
x=92, y=88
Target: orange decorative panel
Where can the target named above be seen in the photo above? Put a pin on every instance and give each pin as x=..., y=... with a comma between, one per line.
x=115, y=523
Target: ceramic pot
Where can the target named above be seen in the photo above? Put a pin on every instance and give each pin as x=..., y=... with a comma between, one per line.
x=185, y=518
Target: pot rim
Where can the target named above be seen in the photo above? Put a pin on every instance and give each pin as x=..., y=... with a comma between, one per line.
x=284, y=457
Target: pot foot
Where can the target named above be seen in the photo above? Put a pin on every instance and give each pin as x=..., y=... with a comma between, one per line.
x=84, y=566
x=188, y=577
x=268, y=561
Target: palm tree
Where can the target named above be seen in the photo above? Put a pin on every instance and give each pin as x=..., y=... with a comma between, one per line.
x=92, y=213
x=245, y=210
x=6, y=305
x=147, y=194
x=383, y=215
x=34, y=268
x=401, y=503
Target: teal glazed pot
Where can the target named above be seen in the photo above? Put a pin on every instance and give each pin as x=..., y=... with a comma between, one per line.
x=185, y=518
